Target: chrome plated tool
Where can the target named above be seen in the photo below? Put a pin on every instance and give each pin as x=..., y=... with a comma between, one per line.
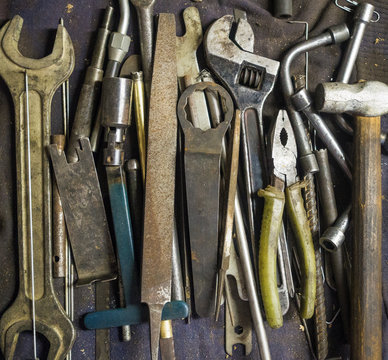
x=32, y=84
x=118, y=47
x=249, y=78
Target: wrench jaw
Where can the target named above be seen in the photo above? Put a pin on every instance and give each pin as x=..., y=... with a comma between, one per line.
x=17, y=319
x=10, y=45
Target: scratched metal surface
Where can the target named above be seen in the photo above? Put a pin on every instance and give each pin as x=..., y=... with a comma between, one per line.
x=203, y=338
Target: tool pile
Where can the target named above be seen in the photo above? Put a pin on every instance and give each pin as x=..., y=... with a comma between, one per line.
x=214, y=207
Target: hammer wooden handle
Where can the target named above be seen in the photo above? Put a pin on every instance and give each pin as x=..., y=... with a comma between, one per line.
x=366, y=306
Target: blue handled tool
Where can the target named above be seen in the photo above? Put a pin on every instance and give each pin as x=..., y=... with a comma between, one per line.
x=116, y=120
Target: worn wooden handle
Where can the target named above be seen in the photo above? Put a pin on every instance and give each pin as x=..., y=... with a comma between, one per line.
x=366, y=309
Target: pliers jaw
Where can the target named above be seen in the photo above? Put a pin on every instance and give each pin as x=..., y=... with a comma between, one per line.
x=283, y=150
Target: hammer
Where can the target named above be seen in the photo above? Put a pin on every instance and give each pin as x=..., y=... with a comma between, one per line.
x=367, y=101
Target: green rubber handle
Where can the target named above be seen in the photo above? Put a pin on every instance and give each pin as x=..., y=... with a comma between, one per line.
x=270, y=229
x=298, y=219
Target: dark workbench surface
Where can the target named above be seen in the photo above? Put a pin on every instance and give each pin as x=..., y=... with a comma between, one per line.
x=203, y=338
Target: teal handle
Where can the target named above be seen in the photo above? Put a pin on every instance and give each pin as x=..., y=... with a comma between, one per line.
x=133, y=314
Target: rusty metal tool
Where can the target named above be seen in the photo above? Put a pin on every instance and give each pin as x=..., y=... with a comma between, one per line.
x=160, y=180
x=320, y=325
x=32, y=83
x=59, y=225
x=284, y=178
x=238, y=321
x=188, y=73
x=329, y=214
x=91, y=87
x=144, y=10
x=217, y=38
x=188, y=68
x=202, y=172
x=228, y=217
x=132, y=68
x=249, y=78
x=81, y=199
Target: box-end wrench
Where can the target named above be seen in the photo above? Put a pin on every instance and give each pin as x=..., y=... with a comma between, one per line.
x=45, y=76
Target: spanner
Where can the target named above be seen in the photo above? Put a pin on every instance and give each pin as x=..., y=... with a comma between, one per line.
x=188, y=69
x=230, y=62
x=45, y=76
x=249, y=78
x=226, y=59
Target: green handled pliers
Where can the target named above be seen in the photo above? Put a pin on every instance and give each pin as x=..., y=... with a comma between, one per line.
x=285, y=189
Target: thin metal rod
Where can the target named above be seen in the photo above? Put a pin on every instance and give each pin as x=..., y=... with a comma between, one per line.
x=65, y=110
x=306, y=55
x=30, y=211
x=69, y=275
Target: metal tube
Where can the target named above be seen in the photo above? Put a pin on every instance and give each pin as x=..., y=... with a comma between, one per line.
x=59, y=225
x=90, y=91
x=334, y=236
x=124, y=17
x=329, y=215
x=302, y=102
x=140, y=110
x=250, y=283
x=334, y=34
x=283, y=8
x=363, y=15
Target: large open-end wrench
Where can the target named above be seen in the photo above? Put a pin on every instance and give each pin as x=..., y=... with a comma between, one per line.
x=45, y=76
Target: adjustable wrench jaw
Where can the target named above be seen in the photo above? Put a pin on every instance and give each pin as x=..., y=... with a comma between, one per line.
x=249, y=77
x=44, y=77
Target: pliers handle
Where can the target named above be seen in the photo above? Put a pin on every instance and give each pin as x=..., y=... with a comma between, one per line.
x=274, y=201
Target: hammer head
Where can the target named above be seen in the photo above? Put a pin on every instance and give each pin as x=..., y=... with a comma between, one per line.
x=249, y=77
x=367, y=98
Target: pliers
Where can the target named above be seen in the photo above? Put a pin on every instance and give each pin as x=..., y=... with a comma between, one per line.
x=285, y=189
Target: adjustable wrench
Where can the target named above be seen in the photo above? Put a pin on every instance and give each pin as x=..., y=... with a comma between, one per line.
x=230, y=62
x=249, y=78
x=45, y=75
